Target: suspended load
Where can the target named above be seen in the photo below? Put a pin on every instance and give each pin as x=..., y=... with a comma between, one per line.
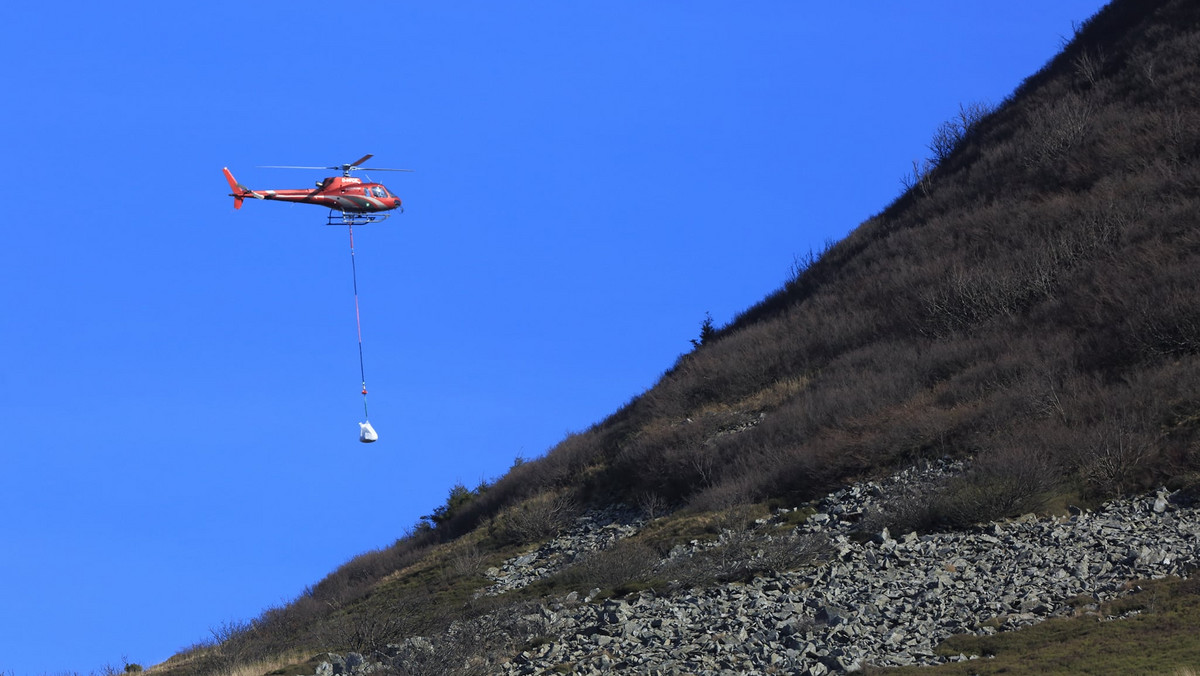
x=366, y=433
x=354, y=202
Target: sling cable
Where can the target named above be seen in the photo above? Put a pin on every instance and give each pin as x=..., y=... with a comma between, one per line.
x=366, y=432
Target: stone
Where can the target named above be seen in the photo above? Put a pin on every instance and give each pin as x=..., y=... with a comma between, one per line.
x=1160, y=504
x=832, y=615
x=885, y=602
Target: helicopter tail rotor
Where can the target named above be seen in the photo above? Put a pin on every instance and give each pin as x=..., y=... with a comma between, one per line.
x=240, y=192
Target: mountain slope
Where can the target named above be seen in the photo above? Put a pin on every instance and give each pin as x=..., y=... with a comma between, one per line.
x=1029, y=303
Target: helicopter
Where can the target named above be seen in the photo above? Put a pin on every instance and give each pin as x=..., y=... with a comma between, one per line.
x=351, y=202
x=355, y=202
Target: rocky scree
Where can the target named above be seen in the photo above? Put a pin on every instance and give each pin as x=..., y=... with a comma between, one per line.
x=886, y=601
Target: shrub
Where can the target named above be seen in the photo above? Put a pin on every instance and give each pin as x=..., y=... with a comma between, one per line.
x=951, y=133
x=627, y=561
x=1115, y=458
x=460, y=496
x=1004, y=481
x=535, y=519
x=706, y=331
x=742, y=555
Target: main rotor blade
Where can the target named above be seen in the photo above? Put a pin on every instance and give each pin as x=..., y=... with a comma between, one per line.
x=345, y=168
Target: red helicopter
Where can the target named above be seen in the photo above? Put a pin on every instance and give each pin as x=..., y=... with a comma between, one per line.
x=355, y=202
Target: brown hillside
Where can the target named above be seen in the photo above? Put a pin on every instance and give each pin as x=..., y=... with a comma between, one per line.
x=1029, y=301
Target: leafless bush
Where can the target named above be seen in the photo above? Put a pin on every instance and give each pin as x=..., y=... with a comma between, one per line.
x=1058, y=127
x=1005, y=481
x=1114, y=457
x=651, y=504
x=672, y=458
x=470, y=646
x=781, y=553
x=1088, y=65
x=727, y=561
x=995, y=489
x=969, y=296
x=625, y=563
x=231, y=645
x=951, y=133
x=744, y=555
x=739, y=488
x=918, y=178
x=370, y=626
x=281, y=628
x=1144, y=62
x=802, y=264
x=450, y=655
x=535, y=519
x=367, y=632
x=908, y=509
x=466, y=561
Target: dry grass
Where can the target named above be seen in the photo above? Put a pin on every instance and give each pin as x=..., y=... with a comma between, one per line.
x=201, y=658
x=277, y=666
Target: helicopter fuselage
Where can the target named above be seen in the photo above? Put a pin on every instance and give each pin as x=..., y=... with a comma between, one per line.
x=343, y=193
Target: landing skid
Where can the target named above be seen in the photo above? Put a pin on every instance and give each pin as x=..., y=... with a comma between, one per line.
x=352, y=218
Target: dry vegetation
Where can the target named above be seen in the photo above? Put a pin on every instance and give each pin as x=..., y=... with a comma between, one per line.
x=1029, y=301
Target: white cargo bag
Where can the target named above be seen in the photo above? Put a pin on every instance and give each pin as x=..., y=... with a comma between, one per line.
x=366, y=433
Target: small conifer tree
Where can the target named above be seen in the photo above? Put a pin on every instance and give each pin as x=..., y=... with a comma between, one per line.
x=706, y=331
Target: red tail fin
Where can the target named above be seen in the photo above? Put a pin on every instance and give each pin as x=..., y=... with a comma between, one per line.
x=239, y=191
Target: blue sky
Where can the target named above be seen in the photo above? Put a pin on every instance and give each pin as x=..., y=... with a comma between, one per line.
x=179, y=384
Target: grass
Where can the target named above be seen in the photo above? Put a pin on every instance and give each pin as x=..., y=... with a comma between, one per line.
x=441, y=579
x=295, y=663
x=282, y=666
x=1156, y=634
